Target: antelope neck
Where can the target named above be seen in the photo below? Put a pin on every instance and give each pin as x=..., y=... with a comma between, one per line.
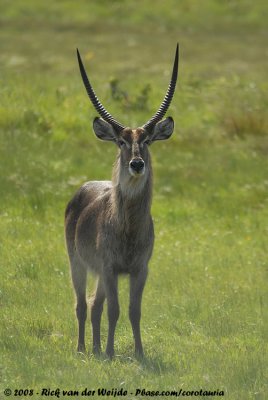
x=131, y=206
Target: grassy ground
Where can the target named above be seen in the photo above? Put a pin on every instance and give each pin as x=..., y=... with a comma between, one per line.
x=204, y=318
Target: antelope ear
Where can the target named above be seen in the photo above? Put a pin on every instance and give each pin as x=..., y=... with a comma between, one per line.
x=103, y=130
x=163, y=129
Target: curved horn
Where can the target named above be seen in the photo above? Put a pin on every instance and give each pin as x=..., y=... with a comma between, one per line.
x=94, y=99
x=168, y=97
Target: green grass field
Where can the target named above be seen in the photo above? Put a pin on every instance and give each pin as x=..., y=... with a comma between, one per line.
x=204, y=321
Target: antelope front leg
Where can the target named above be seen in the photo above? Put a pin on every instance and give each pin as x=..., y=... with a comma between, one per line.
x=137, y=283
x=96, y=311
x=110, y=282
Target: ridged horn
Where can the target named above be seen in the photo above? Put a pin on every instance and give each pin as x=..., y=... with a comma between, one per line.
x=168, y=97
x=94, y=99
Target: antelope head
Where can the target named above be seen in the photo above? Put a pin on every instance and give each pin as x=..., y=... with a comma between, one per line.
x=133, y=143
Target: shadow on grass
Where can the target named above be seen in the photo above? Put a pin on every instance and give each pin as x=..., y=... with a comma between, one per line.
x=154, y=364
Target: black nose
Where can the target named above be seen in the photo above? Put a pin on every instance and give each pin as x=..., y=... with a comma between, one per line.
x=137, y=164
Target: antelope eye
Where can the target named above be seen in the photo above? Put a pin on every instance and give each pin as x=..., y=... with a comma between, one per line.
x=121, y=143
x=147, y=141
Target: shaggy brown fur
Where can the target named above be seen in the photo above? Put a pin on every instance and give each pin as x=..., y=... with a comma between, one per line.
x=109, y=231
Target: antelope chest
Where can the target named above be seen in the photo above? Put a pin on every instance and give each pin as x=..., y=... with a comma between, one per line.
x=127, y=252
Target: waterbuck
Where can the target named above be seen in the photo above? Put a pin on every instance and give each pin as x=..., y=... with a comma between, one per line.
x=108, y=225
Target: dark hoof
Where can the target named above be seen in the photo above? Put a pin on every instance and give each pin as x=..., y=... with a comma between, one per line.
x=81, y=349
x=96, y=351
x=139, y=355
x=109, y=354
